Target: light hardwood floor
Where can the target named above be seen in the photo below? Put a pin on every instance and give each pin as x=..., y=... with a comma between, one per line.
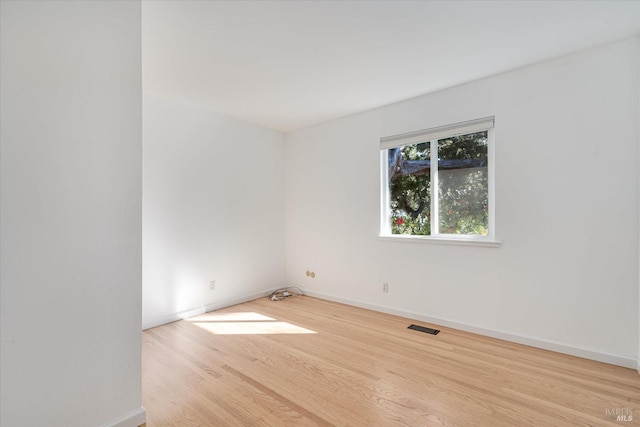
x=355, y=367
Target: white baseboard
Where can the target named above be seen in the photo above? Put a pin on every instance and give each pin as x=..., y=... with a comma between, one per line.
x=135, y=418
x=613, y=359
x=172, y=317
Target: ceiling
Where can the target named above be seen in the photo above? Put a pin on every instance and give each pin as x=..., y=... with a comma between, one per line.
x=286, y=65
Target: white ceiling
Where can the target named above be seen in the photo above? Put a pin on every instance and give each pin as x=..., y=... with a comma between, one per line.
x=287, y=65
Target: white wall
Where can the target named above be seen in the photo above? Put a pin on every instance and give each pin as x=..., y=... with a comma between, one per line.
x=70, y=303
x=566, y=275
x=213, y=209
x=638, y=136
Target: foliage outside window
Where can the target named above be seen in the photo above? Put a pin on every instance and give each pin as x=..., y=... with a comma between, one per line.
x=438, y=185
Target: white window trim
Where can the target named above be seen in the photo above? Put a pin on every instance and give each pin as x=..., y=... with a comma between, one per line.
x=433, y=135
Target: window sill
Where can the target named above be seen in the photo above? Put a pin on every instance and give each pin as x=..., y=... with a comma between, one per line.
x=440, y=240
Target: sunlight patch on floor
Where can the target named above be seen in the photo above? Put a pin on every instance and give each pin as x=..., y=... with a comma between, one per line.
x=231, y=317
x=245, y=323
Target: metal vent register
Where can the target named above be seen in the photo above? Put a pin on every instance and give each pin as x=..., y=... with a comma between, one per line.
x=424, y=329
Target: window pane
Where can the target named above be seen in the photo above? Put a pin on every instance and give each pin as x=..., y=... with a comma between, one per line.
x=463, y=186
x=410, y=189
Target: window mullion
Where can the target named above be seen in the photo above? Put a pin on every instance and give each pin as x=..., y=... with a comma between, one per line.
x=434, y=188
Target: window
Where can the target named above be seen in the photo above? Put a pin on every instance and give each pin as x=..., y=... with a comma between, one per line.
x=438, y=183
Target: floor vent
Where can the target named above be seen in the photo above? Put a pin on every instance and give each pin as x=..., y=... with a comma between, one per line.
x=424, y=329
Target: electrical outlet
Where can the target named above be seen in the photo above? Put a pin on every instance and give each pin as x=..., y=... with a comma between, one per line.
x=212, y=285
x=385, y=287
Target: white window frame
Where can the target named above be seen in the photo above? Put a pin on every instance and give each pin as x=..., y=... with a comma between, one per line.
x=433, y=135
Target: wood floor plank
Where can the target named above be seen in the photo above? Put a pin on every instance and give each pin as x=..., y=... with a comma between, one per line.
x=250, y=365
